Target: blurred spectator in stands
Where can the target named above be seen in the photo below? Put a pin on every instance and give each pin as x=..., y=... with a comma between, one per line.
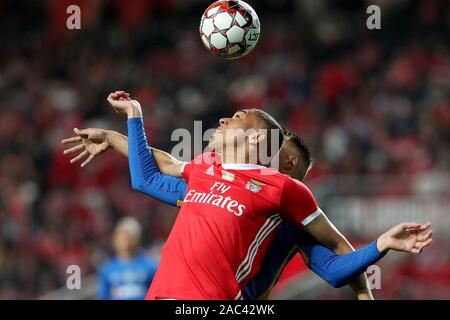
x=128, y=275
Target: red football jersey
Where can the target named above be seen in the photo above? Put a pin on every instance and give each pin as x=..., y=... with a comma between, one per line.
x=223, y=229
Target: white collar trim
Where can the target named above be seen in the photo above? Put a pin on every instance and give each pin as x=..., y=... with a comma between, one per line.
x=242, y=166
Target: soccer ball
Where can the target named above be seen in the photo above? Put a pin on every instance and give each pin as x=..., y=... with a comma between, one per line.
x=229, y=28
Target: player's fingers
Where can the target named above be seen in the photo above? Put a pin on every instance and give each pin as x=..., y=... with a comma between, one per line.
x=424, y=226
x=425, y=237
x=80, y=156
x=122, y=95
x=118, y=94
x=419, y=229
x=409, y=225
x=84, y=133
x=74, y=149
x=71, y=140
x=89, y=159
x=426, y=243
x=112, y=97
x=418, y=247
x=113, y=101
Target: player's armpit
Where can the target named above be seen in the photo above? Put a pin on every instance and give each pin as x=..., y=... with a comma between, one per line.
x=174, y=169
x=168, y=164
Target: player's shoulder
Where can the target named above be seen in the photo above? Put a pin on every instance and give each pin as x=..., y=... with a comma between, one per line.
x=294, y=185
x=290, y=186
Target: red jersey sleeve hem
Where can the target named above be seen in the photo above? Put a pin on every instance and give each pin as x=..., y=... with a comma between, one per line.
x=311, y=217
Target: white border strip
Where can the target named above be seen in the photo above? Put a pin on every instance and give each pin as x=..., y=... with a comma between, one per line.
x=271, y=223
x=244, y=262
x=255, y=250
x=312, y=216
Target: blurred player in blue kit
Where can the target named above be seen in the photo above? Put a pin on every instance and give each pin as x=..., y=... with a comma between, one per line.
x=128, y=275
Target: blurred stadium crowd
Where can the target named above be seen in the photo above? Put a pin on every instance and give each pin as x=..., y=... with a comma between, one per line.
x=367, y=102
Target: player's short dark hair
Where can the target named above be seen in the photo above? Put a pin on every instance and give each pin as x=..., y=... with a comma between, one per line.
x=305, y=153
x=269, y=123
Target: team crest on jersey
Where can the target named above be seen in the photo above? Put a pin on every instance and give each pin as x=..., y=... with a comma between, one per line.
x=210, y=171
x=227, y=176
x=253, y=186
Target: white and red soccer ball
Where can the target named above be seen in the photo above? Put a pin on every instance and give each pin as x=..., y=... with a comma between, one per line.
x=229, y=28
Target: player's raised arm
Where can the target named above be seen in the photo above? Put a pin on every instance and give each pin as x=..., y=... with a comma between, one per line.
x=147, y=178
x=91, y=142
x=339, y=270
x=326, y=233
x=144, y=171
x=299, y=204
x=122, y=104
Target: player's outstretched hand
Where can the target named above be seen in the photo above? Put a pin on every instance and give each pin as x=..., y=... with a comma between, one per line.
x=92, y=142
x=406, y=237
x=122, y=104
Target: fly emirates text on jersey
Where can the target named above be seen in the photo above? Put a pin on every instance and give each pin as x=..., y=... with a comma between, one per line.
x=216, y=197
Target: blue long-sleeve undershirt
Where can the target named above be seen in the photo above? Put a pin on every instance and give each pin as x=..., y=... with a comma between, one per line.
x=337, y=270
x=145, y=174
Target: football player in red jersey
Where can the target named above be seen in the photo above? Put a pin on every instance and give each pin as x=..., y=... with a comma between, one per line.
x=230, y=212
x=337, y=270
x=170, y=190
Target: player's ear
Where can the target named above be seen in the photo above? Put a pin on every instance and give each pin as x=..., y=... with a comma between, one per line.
x=289, y=164
x=294, y=161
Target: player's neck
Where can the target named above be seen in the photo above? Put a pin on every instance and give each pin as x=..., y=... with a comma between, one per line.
x=238, y=156
x=126, y=255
